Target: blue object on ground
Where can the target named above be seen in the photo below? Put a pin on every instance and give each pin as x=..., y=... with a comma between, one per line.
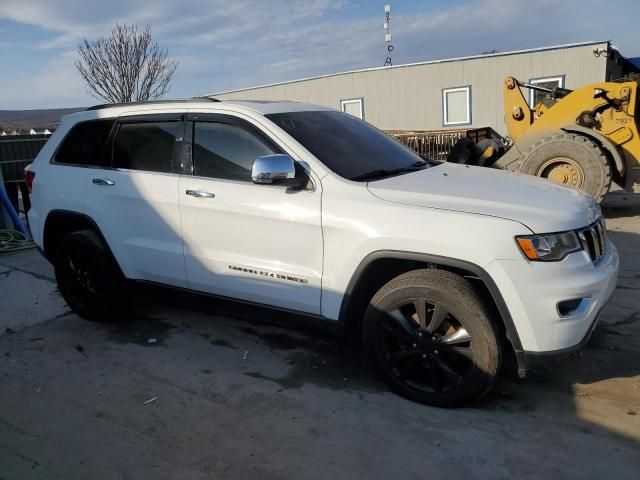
x=6, y=203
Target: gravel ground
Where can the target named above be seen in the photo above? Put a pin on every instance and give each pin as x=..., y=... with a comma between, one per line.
x=195, y=388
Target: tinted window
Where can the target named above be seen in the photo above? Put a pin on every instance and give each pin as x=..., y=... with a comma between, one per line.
x=227, y=151
x=145, y=146
x=84, y=144
x=347, y=145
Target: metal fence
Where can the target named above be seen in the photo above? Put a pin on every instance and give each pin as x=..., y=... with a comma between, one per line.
x=18, y=151
x=437, y=144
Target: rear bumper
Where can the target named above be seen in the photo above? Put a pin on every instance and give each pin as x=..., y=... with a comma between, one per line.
x=533, y=290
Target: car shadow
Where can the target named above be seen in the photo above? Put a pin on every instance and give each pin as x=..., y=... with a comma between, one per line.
x=315, y=350
x=586, y=391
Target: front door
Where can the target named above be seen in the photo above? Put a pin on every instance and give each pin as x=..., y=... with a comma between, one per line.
x=253, y=242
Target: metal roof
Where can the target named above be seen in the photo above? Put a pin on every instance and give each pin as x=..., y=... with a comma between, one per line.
x=428, y=62
x=635, y=63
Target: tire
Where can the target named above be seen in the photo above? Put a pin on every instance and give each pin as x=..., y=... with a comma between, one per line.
x=463, y=152
x=497, y=151
x=575, y=158
x=456, y=368
x=88, y=277
x=467, y=152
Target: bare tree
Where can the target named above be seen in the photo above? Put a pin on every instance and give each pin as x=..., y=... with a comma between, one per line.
x=126, y=66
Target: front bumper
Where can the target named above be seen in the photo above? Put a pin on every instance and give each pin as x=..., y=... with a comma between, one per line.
x=533, y=290
x=528, y=360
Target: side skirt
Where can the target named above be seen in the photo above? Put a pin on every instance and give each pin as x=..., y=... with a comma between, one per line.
x=309, y=320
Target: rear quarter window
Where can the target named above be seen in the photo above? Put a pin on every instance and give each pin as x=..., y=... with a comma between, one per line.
x=85, y=144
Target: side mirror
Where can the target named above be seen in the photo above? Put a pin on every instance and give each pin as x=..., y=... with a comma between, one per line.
x=273, y=170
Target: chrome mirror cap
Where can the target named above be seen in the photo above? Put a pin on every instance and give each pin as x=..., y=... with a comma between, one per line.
x=273, y=169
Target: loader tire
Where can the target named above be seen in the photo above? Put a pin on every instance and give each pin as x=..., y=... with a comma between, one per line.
x=572, y=160
x=489, y=157
x=463, y=152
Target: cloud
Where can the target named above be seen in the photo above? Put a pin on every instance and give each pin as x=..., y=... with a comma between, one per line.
x=56, y=85
x=224, y=45
x=332, y=45
x=206, y=19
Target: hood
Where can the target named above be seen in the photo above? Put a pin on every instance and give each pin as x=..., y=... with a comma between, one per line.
x=539, y=204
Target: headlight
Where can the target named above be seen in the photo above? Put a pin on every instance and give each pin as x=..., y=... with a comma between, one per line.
x=550, y=247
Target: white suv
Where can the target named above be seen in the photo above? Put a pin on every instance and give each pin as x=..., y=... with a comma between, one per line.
x=441, y=268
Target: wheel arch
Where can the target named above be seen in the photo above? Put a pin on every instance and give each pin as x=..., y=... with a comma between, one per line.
x=379, y=267
x=62, y=222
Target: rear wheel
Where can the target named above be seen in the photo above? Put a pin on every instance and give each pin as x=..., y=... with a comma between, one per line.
x=571, y=160
x=88, y=277
x=432, y=338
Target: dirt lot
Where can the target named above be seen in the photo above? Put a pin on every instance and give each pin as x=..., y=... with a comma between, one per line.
x=246, y=393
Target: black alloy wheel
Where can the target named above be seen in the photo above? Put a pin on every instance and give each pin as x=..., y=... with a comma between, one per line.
x=426, y=346
x=88, y=277
x=433, y=338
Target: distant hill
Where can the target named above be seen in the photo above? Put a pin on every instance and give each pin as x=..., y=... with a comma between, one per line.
x=34, y=118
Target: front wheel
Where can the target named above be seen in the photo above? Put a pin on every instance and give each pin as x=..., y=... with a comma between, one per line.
x=432, y=338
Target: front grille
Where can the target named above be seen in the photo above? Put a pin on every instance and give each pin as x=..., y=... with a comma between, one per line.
x=594, y=240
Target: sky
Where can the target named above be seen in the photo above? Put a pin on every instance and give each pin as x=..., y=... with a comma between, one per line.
x=228, y=44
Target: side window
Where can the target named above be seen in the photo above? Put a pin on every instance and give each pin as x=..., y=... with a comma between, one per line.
x=84, y=144
x=145, y=146
x=221, y=150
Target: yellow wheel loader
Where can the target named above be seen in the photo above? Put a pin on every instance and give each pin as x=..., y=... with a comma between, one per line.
x=586, y=138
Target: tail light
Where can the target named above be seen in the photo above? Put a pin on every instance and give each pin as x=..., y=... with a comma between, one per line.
x=30, y=177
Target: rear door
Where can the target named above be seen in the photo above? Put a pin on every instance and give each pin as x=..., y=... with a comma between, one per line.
x=62, y=184
x=254, y=242
x=135, y=201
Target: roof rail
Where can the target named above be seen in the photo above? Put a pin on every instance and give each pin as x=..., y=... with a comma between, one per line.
x=199, y=99
x=151, y=102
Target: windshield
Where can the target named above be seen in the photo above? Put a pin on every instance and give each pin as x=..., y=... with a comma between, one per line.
x=347, y=145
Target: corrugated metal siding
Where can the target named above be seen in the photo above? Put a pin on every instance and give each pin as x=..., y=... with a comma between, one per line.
x=410, y=97
x=16, y=152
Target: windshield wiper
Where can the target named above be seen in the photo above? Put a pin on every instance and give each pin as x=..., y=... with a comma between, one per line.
x=390, y=171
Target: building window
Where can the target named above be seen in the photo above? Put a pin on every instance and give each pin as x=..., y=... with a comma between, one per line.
x=353, y=106
x=536, y=97
x=456, y=106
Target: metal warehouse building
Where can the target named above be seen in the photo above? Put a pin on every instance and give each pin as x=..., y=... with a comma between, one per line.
x=444, y=94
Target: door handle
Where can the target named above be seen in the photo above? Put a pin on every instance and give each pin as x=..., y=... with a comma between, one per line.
x=103, y=181
x=200, y=194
